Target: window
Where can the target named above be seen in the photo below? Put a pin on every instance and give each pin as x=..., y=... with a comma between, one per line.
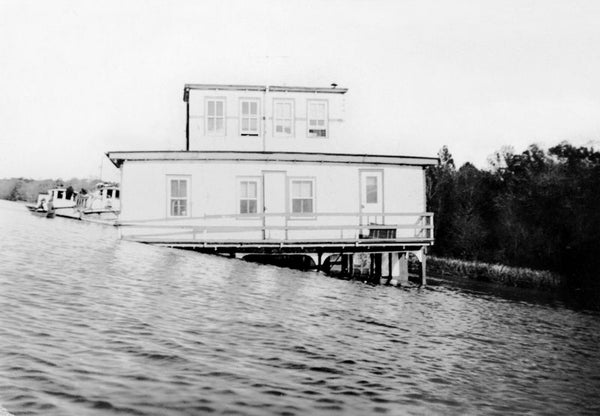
x=109, y=193
x=215, y=116
x=303, y=197
x=249, y=118
x=248, y=197
x=371, y=186
x=178, y=197
x=317, y=118
x=117, y=193
x=283, y=118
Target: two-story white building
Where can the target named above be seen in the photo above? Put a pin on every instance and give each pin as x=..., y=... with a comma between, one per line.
x=264, y=172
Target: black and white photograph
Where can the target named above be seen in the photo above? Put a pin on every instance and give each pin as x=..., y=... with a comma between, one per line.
x=299, y=207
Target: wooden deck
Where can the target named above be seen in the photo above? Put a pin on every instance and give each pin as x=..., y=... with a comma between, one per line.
x=223, y=233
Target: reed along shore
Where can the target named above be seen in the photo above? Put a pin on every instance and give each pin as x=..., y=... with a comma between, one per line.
x=496, y=273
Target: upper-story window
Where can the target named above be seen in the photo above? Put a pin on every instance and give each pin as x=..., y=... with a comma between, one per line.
x=215, y=116
x=283, y=120
x=317, y=118
x=249, y=117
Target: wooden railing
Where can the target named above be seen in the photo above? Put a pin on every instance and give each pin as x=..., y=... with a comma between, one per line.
x=287, y=227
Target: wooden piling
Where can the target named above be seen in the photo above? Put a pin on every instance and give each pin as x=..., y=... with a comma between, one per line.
x=424, y=269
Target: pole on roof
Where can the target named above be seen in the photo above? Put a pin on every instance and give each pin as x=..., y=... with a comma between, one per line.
x=187, y=125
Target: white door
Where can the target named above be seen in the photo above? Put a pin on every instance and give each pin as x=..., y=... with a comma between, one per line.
x=371, y=196
x=274, y=204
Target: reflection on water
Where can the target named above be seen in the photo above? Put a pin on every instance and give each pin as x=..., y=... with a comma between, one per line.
x=91, y=325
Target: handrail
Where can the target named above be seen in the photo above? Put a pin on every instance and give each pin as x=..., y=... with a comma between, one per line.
x=204, y=229
x=283, y=215
x=234, y=228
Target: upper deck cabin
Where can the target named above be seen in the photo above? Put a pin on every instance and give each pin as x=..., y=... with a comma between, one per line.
x=264, y=118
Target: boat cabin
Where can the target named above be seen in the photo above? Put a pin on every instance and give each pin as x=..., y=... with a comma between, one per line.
x=61, y=198
x=106, y=197
x=263, y=173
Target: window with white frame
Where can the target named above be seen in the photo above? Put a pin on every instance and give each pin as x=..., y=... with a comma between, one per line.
x=248, y=196
x=179, y=191
x=249, y=117
x=283, y=119
x=317, y=118
x=371, y=194
x=303, y=196
x=215, y=116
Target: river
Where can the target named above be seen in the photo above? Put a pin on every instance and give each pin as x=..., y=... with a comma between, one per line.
x=93, y=325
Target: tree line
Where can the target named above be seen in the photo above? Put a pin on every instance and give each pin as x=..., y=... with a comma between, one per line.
x=23, y=189
x=538, y=209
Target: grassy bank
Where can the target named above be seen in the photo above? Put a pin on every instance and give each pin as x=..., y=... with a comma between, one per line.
x=496, y=273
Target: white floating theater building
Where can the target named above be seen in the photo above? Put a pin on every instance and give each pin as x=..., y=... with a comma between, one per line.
x=263, y=174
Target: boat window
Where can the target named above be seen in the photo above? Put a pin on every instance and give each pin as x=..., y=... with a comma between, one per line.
x=60, y=194
x=109, y=193
x=117, y=193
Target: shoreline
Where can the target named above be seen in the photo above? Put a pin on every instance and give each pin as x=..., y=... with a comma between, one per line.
x=495, y=273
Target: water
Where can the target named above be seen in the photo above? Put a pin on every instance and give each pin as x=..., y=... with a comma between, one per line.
x=91, y=325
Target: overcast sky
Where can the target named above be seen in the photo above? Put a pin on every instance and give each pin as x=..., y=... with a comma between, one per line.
x=79, y=78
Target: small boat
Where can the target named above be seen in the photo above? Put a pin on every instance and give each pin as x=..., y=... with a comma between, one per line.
x=57, y=201
x=103, y=203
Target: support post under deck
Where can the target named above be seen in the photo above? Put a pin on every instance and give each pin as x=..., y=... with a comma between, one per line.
x=424, y=269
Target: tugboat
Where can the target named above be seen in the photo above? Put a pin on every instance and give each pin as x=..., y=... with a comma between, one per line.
x=59, y=201
x=103, y=203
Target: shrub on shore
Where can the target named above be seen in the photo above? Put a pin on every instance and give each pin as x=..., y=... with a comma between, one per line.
x=497, y=273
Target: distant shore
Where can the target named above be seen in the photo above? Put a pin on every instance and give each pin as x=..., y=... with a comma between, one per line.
x=495, y=273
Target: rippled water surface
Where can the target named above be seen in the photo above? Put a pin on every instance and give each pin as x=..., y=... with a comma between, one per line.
x=91, y=325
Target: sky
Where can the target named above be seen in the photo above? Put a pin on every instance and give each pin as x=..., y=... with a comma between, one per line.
x=80, y=78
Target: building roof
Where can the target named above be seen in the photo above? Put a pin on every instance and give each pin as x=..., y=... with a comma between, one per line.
x=119, y=157
x=263, y=88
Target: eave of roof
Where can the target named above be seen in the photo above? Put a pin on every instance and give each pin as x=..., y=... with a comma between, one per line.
x=118, y=157
x=262, y=88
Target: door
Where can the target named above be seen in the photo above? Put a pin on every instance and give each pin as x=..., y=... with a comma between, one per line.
x=274, y=204
x=371, y=197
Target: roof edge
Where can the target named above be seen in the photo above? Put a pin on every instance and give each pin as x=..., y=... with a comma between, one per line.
x=118, y=157
x=263, y=88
